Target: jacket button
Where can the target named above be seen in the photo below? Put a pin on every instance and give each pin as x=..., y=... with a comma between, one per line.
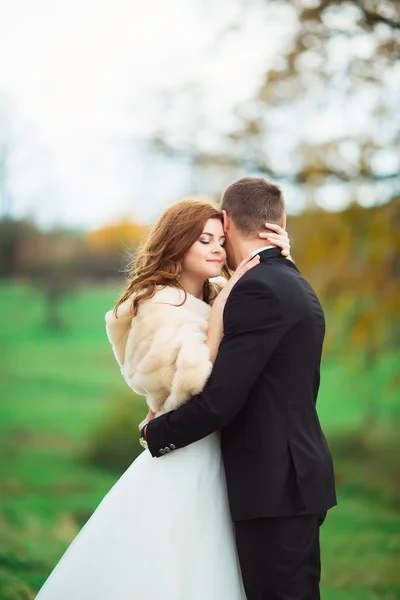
x=161, y=451
x=172, y=446
x=167, y=449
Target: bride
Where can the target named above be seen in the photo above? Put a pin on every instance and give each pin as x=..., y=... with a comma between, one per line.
x=164, y=532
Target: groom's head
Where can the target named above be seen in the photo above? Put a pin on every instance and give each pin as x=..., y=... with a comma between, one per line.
x=248, y=204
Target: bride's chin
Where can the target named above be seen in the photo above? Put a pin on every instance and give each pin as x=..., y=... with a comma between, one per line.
x=216, y=273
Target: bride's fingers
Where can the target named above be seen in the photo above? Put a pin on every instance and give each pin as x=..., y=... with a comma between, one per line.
x=252, y=263
x=266, y=235
x=282, y=241
x=277, y=228
x=244, y=262
x=272, y=236
x=246, y=266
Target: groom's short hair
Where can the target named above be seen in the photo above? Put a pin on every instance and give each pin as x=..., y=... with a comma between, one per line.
x=253, y=201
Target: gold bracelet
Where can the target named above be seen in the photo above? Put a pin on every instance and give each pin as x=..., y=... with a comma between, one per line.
x=143, y=442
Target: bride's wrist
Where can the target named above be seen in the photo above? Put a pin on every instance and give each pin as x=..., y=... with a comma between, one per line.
x=221, y=299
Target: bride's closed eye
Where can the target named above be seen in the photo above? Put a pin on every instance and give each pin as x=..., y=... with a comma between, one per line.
x=221, y=242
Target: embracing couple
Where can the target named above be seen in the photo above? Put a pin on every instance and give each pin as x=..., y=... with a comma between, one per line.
x=227, y=500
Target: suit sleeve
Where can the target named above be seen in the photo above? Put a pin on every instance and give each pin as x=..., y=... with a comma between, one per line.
x=253, y=327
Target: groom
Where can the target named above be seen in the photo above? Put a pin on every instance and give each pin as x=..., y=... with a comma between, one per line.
x=261, y=395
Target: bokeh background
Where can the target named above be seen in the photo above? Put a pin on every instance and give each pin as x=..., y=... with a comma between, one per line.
x=111, y=111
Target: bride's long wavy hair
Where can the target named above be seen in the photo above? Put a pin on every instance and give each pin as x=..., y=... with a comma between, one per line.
x=158, y=261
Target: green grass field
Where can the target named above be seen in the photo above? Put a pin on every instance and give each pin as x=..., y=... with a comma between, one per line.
x=57, y=389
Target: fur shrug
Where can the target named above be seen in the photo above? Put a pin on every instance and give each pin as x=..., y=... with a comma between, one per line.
x=162, y=351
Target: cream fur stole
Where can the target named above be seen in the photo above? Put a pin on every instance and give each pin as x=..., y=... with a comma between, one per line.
x=162, y=352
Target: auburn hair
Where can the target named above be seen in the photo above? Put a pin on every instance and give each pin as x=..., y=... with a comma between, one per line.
x=158, y=261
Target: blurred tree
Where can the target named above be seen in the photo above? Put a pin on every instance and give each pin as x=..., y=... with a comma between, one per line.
x=111, y=246
x=51, y=261
x=112, y=238
x=340, y=64
x=60, y=260
x=352, y=259
x=13, y=232
x=325, y=115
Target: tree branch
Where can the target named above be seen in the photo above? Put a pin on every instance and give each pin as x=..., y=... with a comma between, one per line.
x=373, y=18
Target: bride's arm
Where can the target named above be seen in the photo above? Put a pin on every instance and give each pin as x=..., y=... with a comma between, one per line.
x=215, y=331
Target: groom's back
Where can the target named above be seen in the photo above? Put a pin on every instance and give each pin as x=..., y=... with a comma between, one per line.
x=274, y=448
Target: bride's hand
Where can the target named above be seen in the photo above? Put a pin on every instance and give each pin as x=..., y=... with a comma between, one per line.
x=149, y=417
x=279, y=238
x=248, y=263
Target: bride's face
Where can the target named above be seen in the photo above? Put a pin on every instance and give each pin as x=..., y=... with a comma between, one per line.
x=207, y=256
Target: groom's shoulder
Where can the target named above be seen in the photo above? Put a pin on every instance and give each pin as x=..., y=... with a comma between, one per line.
x=287, y=283
x=255, y=281
x=276, y=277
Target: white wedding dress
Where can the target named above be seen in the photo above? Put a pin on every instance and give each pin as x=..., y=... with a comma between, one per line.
x=163, y=532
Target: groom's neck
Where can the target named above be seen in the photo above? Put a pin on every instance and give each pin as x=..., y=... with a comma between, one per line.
x=244, y=247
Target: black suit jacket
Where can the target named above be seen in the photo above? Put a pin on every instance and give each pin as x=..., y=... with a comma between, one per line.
x=262, y=395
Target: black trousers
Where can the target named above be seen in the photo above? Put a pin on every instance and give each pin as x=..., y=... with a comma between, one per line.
x=280, y=557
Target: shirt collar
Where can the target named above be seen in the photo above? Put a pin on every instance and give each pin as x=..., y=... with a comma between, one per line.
x=262, y=249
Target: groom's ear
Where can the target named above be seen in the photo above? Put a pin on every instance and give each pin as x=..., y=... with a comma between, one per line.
x=225, y=221
x=284, y=222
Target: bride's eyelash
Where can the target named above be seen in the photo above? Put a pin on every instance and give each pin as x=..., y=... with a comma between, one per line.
x=222, y=244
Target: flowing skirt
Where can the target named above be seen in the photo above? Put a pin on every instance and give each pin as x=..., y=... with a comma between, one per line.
x=163, y=532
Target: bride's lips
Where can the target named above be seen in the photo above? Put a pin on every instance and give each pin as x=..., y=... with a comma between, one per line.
x=215, y=261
